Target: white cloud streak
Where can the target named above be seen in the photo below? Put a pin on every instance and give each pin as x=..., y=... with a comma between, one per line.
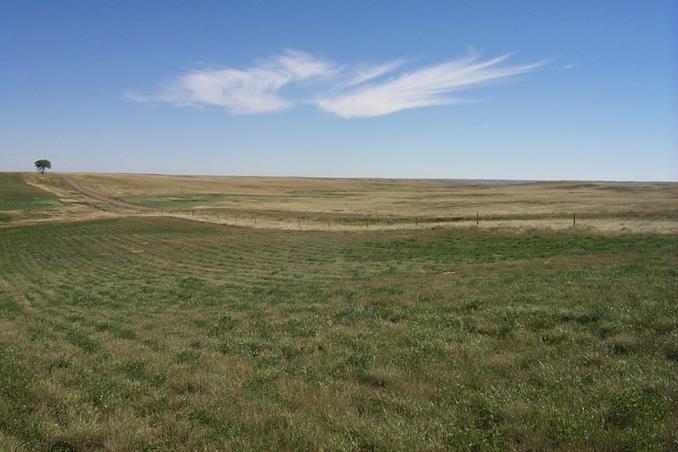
x=420, y=88
x=369, y=73
x=243, y=91
x=356, y=91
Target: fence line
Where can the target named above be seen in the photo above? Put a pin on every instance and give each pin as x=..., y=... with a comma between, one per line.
x=340, y=223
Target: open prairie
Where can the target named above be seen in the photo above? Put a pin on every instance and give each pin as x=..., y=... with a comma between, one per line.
x=142, y=312
x=358, y=204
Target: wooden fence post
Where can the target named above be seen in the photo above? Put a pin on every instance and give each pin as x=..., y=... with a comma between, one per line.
x=477, y=218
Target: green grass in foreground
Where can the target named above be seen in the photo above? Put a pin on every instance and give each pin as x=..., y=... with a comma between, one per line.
x=16, y=194
x=168, y=334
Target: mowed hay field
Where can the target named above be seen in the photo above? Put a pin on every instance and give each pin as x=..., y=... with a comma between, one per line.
x=142, y=330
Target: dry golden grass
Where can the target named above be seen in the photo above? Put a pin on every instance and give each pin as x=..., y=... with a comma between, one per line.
x=356, y=204
x=395, y=197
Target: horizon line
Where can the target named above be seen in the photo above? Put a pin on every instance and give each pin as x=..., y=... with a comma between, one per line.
x=451, y=179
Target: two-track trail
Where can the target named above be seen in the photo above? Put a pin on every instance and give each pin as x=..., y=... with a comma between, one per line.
x=101, y=200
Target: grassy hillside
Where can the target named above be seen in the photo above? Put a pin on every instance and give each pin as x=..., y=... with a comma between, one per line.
x=16, y=194
x=161, y=333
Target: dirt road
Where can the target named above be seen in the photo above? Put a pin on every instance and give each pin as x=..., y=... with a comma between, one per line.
x=101, y=199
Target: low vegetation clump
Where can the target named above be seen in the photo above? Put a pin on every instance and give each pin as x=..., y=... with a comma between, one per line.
x=159, y=333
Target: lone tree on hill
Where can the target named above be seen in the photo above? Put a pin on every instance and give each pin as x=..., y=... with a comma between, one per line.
x=42, y=165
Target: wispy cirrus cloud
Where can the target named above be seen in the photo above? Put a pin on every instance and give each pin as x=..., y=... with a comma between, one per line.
x=349, y=91
x=421, y=88
x=243, y=91
x=363, y=74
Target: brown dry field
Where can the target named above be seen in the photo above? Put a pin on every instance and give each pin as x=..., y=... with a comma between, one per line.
x=354, y=204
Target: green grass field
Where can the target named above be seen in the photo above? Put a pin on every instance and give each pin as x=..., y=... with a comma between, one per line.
x=157, y=333
x=17, y=195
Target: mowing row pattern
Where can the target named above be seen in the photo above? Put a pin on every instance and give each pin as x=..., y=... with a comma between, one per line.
x=150, y=333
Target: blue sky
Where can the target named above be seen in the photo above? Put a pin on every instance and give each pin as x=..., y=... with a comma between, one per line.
x=507, y=90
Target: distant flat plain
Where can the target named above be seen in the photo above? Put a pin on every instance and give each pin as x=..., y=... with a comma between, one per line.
x=148, y=312
x=349, y=204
